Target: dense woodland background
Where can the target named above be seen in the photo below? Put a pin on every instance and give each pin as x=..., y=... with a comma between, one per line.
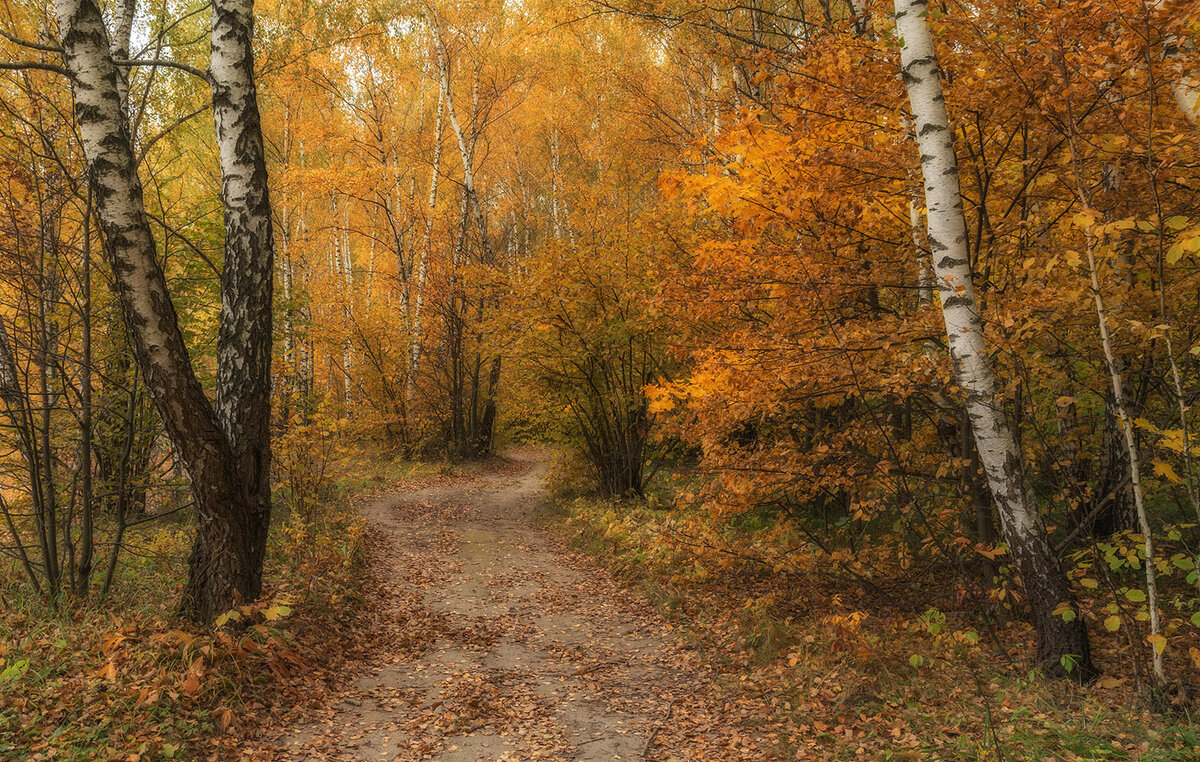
x=694, y=248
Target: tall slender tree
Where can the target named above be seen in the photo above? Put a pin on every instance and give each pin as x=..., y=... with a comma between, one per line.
x=1062, y=641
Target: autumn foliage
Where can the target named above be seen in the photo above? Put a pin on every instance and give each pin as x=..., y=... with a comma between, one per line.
x=688, y=245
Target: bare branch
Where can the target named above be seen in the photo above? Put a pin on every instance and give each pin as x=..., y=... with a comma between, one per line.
x=168, y=129
x=23, y=65
x=165, y=64
x=31, y=45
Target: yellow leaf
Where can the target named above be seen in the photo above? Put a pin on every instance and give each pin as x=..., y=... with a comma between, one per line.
x=1175, y=253
x=1158, y=641
x=1166, y=471
x=1112, y=623
x=276, y=612
x=661, y=404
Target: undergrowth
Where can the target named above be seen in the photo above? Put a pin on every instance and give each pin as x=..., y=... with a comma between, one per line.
x=128, y=680
x=843, y=674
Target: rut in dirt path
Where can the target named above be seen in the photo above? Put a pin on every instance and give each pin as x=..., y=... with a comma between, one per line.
x=504, y=646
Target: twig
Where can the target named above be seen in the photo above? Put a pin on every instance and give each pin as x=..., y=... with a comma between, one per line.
x=658, y=726
x=157, y=62
x=593, y=667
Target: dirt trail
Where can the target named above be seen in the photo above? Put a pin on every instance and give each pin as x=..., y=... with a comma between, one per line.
x=502, y=645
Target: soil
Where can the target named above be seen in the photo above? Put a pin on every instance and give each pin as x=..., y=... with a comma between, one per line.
x=501, y=644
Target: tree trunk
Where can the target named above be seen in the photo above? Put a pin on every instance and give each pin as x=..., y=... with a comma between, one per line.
x=226, y=562
x=83, y=569
x=1111, y=509
x=1046, y=587
x=122, y=34
x=244, y=336
x=414, y=342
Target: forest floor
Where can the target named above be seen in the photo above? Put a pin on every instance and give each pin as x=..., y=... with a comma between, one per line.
x=468, y=612
x=497, y=642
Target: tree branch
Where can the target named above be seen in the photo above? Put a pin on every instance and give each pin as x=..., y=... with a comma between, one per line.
x=165, y=64
x=167, y=130
x=31, y=45
x=22, y=65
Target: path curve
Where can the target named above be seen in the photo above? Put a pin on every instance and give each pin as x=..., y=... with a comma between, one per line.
x=502, y=645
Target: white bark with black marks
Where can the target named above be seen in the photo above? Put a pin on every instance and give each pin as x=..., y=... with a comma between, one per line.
x=423, y=257
x=1045, y=584
x=230, y=498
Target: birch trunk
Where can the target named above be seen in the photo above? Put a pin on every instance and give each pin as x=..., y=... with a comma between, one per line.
x=227, y=558
x=480, y=424
x=1135, y=469
x=1184, y=87
x=1117, y=385
x=414, y=346
x=287, y=269
x=1046, y=586
x=346, y=265
x=229, y=502
x=122, y=34
x=466, y=147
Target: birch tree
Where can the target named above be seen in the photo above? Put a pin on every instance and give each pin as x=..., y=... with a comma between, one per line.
x=423, y=257
x=224, y=448
x=1062, y=644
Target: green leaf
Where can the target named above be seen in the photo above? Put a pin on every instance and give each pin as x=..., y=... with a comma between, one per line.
x=1195, y=619
x=1135, y=595
x=1112, y=623
x=1068, y=662
x=276, y=612
x=14, y=670
x=916, y=660
x=1089, y=583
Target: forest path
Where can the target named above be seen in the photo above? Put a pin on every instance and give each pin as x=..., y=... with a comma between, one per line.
x=502, y=645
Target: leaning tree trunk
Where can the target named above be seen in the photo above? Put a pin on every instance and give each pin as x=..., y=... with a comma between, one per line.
x=1046, y=587
x=224, y=495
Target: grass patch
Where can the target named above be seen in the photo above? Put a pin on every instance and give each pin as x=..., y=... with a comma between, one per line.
x=838, y=675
